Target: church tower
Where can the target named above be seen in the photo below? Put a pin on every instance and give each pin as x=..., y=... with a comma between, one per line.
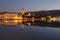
x=22, y=11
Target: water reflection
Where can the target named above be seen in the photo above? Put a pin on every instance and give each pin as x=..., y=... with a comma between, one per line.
x=12, y=30
x=10, y=22
x=29, y=23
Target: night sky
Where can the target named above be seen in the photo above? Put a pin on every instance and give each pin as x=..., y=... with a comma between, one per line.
x=28, y=5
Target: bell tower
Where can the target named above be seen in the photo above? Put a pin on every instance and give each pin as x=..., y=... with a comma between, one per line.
x=22, y=11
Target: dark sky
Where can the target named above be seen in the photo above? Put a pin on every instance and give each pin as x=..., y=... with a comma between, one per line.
x=29, y=5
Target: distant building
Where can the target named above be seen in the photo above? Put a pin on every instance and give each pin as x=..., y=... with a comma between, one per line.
x=1, y=15
x=22, y=11
x=10, y=15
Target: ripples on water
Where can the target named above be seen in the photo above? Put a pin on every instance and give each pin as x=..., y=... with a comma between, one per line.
x=20, y=30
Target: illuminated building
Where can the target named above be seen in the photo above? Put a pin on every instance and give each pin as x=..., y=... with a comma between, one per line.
x=43, y=19
x=59, y=18
x=49, y=18
x=28, y=14
x=53, y=19
x=33, y=19
x=22, y=11
x=1, y=15
x=10, y=15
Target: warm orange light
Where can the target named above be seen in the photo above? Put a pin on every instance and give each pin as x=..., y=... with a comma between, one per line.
x=6, y=17
x=20, y=21
x=42, y=18
x=25, y=20
x=54, y=19
x=20, y=17
x=6, y=21
x=49, y=18
x=16, y=17
x=33, y=19
x=16, y=21
x=29, y=14
x=29, y=24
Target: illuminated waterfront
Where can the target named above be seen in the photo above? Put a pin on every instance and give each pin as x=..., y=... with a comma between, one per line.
x=29, y=27
x=29, y=19
x=28, y=30
x=29, y=23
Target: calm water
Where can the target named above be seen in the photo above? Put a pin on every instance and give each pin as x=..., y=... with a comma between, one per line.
x=29, y=33
x=32, y=32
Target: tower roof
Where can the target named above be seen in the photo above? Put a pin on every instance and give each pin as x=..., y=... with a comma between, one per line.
x=22, y=8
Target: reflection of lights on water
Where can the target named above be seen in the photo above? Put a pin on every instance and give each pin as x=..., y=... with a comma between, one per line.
x=20, y=21
x=6, y=21
x=33, y=19
x=25, y=20
x=29, y=24
x=22, y=26
x=16, y=21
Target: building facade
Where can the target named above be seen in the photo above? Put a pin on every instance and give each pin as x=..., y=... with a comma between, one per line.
x=10, y=15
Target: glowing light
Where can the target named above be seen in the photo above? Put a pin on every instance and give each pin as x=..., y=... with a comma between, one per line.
x=29, y=24
x=29, y=14
x=6, y=21
x=6, y=17
x=20, y=17
x=49, y=18
x=54, y=19
x=33, y=19
x=20, y=21
x=16, y=17
x=42, y=18
x=16, y=21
